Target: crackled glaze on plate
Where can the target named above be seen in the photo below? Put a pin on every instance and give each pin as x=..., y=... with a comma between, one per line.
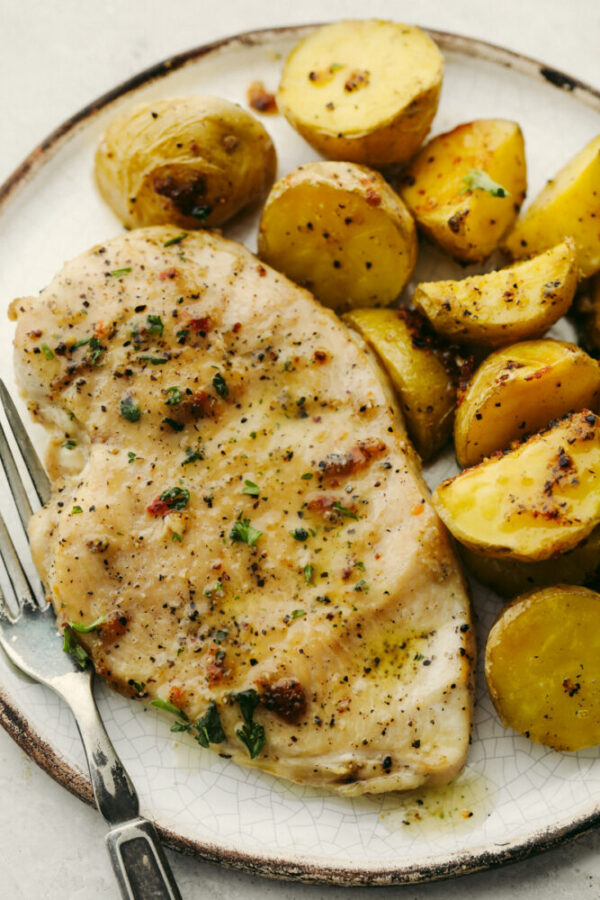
x=514, y=797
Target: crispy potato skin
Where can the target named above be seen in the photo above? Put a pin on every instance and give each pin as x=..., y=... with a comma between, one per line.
x=518, y=390
x=534, y=502
x=365, y=91
x=569, y=204
x=340, y=230
x=190, y=161
x=520, y=302
x=510, y=577
x=542, y=665
x=426, y=391
x=468, y=224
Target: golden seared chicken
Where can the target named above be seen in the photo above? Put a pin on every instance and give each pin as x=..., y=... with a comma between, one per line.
x=238, y=528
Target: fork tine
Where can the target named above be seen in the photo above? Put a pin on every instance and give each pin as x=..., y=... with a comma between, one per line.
x=36, y=471
x=24, y=593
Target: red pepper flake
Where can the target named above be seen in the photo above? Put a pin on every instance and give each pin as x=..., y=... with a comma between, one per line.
x=202, y=324
x=237, y=328
x=260, y=99
x=372, y=197
x=177, y=696
x=261, y=271
x=159, y=507
x=168, y=273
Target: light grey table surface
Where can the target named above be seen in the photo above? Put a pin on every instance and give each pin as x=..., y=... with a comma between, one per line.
x=55, y=57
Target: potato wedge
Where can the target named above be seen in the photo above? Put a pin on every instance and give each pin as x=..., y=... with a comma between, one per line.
x=569, y=204
x=536, y=501
x=542, y=665
x=510, y=577
x=519, y=302
x=520, y=389
x=447, y=186
x=426, y=390
x=341, y=231
x=363, y=90
x=191, y=161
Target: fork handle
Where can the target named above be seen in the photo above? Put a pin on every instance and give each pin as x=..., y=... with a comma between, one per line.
x=139, y=862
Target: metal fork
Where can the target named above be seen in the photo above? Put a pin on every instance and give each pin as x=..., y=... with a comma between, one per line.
x=28, y=636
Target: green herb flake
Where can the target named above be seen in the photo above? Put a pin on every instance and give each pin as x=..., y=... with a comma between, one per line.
x=130, y=410
x=359, y=565
x=131, y=456
x=308, y=573
x=220, y=386
x=169, y=707
x=47, y=351
x=361, y=586
x=172, y=423
x=192, y=454
x=86, y=629
x=76, y=511
x=139, y=686
x=243, y=532
x=177, y=537
x=176, y=240
x=209, y=729
x=70, y=444
x=344, y=510
x=250, y=488
x=81, y=343
x=307, y=476
x=96, y=348
x=297, y=613
x=476, y=180
x=117, y=273
x=72, y=646
x=173, y=396
x=253, y=435
x=154, y=360
x=176, y=498
x=299, y=534
x=252, y=734
x=155, y=325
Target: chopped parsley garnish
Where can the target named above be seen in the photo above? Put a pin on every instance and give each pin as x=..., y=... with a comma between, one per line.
x=181, y=335
x=177, y=537
x=250, y=488
x=176, y=240
x=201, y=213
x=154, y=360
x=130, y=410
x=220, y=386
x=169, y=707
x=298, y=613
x=140, y=686
x=155, y=325
x=172, y=423
x=308, y=572
x=192, y=454
x=359, y=565
x=47, y=351
x=252, y=734
x=344, y=510
x=131, y=456
x=72, y=646
x=299, y=534
x=70, y=445
x=243, y=532
x=173, y=396
x=96, y=348
x=81, y=343
x=76, y=510
x=208, y=727
x=476, y=180
x=307, y=476
x=116, y=273
x=176, y=498
x=361, y=586
x=86, y=629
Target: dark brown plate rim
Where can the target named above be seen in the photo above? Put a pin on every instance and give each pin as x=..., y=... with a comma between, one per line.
x=270, y=865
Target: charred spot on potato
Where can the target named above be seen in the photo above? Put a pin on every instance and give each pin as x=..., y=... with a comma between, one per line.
x=187, y=197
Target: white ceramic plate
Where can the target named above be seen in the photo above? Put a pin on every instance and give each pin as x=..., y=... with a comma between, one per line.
x=514, y=797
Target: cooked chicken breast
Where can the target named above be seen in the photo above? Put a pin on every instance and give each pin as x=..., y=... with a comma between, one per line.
x=239, y=527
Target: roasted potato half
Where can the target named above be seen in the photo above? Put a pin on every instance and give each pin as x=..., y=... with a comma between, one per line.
x=191, y=161
x=363, y=90
x=569, y=204
x=426, y=390
x=341, y=231
x=520, y=389
x=510, y=577
x=534, y=502
x=519, y=302
x=542, y=665
x=465, y=187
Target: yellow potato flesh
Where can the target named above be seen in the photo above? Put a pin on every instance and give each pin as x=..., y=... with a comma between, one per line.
x=542, y=665
x=520, y=389
x=569, y=204
x=467, y=223
x=510, y=577
x=536, y=501
x=363, y=90
x=425, y=389
x=512, y=304
x=339, y=230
